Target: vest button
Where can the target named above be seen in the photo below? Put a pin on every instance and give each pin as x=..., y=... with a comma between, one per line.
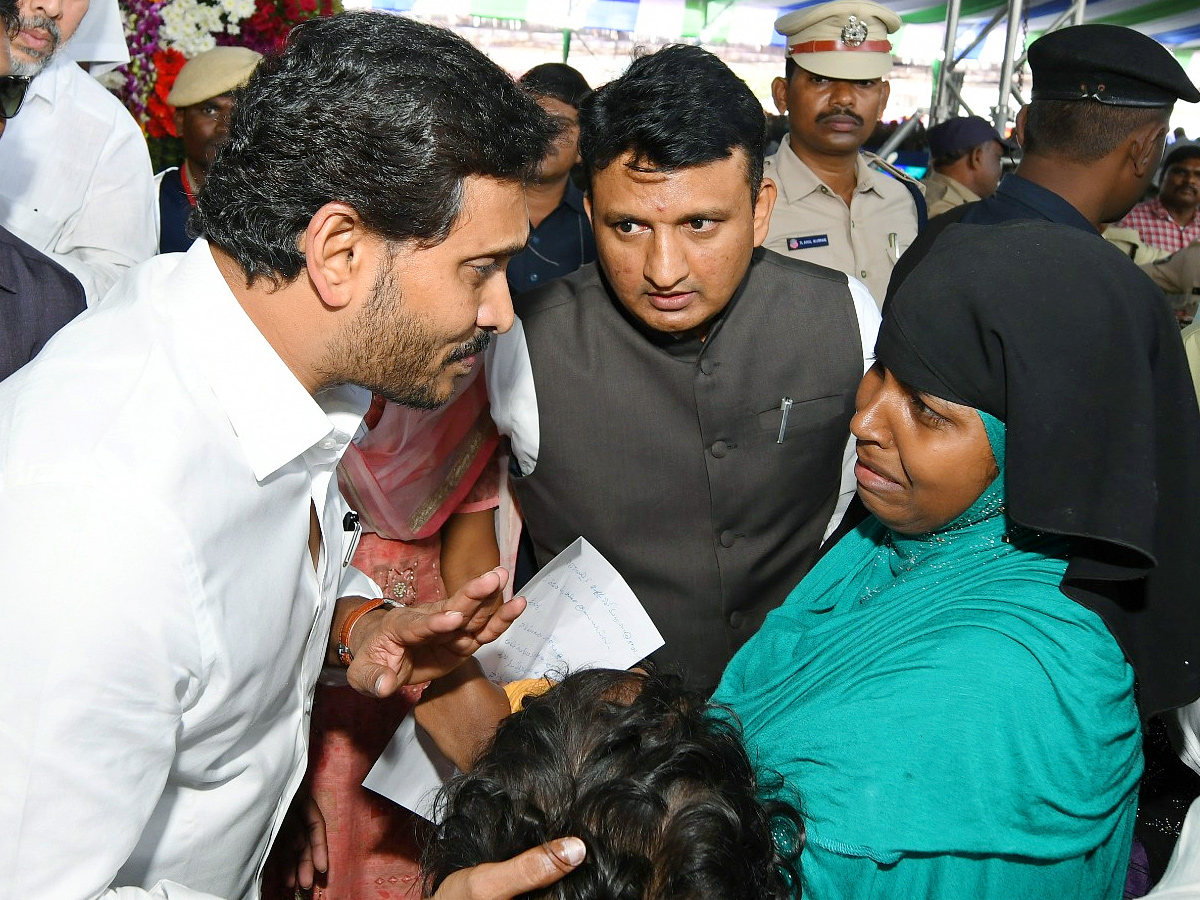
x=707, y=366
x=727, y=538
x=736, y=619
x=719, y=449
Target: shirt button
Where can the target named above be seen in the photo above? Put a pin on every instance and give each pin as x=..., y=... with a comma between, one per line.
x=727, y=538
x=328, y=443
x=719, y=449
x=707, y=366
x=862, y=274
x=533, y=277
x=534, y=239
x=736, y=619
x=824, y=190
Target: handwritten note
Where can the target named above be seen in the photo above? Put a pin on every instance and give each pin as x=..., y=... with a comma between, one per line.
x=581, y=615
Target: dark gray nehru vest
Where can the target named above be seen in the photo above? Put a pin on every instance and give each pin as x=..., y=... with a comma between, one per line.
x=672, y=468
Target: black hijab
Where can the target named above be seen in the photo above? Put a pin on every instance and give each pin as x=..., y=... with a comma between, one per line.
x=1056, y=333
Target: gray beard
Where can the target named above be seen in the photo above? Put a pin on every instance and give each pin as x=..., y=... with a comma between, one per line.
x=33, y=67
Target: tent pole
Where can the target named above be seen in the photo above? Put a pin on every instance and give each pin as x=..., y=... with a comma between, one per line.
x=1012, y=50
x=941, y=105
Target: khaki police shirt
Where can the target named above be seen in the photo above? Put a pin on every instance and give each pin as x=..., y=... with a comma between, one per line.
x=943, y=193
x=1179, y=278
x=812, y=222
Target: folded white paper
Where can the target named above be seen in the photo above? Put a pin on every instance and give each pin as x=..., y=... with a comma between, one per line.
x=581, y=615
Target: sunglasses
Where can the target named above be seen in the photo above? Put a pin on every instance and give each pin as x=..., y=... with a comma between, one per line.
x=12, y=94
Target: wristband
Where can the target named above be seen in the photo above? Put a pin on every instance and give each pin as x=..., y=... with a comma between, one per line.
x=343, y=647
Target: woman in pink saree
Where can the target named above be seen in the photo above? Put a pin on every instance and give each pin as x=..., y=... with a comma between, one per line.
x=425, y=485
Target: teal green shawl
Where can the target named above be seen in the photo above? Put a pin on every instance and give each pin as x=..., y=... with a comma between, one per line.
x=938, y=694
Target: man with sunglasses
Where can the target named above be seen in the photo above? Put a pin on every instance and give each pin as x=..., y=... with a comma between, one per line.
x=75, y=175
x=37, y=296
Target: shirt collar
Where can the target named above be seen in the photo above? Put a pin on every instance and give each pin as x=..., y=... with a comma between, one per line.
x=48, y=82
x=274, y=417
x=1155, y=207
x=1043, y=201
x=953, y=186
x=796, y=180
x=574, y=198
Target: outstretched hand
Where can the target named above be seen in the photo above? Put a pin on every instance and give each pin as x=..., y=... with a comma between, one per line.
x=413, y=644
x=537, y=868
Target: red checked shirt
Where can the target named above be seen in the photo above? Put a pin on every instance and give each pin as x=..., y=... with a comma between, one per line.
x=1158, y=229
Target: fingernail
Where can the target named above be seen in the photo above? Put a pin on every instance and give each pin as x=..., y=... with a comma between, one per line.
x=379, y=684
x=570, y=850
x=454, y=612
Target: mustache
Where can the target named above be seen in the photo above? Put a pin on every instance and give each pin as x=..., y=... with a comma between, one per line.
x=849, y=113
x=44, y=23
x=473, y=347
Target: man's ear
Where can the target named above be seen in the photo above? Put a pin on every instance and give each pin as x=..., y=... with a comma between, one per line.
x=587, y=208
x=779, y=88
x=884, y=95
x=767, y=194
x=179, y=116
x=1019, y=130
x=1145, y=148
x=975, y=157
x=336, y=253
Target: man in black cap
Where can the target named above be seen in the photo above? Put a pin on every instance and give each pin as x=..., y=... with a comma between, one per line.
x=966, y=155
x=1092, y=136
x=1169, y=221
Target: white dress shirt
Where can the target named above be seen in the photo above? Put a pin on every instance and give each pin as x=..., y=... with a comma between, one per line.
x=163, y=620
x=513, y=396
x=75, y=178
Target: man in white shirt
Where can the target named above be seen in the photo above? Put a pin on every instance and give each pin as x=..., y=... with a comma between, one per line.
x=684, y=402
x=75, y=175
x=173, y=547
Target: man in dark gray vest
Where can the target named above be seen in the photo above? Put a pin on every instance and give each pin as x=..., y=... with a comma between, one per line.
x=684, y=402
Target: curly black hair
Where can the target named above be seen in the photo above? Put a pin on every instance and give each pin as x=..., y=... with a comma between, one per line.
x=374, y=110
x=655, y=780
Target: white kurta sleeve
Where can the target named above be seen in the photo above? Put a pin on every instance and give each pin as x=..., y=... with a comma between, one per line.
x=868, y=329
x=512, y=395
x=116, y=226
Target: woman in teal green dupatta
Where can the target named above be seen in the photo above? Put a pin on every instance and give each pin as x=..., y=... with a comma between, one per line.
x=951, y=722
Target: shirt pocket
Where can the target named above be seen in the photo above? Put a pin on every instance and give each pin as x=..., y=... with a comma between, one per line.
x=31, y=225
x=813, y=414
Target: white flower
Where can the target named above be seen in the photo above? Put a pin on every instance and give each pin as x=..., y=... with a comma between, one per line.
x=189, y=26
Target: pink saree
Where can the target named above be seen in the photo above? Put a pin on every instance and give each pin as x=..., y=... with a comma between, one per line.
x=406, y=477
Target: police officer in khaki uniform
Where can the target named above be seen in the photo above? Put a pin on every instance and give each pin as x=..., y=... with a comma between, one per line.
x=837, y=206
x=1179, y=277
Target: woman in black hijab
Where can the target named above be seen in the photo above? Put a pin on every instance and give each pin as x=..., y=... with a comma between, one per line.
x=1075, y=351
x=951, y=690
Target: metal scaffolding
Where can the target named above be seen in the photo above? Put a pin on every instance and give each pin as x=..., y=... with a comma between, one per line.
x=947, y=96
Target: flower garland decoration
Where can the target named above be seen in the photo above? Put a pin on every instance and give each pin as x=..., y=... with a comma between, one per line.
x=165, y=34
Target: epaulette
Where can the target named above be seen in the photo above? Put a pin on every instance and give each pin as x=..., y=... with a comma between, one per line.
x=878, y=162
x=915, y=189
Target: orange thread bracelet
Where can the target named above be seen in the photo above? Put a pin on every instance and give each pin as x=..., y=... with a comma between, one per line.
x=343, y=647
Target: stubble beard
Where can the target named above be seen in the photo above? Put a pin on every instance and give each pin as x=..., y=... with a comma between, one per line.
x=393, y=353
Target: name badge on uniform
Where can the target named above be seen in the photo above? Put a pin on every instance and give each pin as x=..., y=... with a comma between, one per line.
x=808, y=242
